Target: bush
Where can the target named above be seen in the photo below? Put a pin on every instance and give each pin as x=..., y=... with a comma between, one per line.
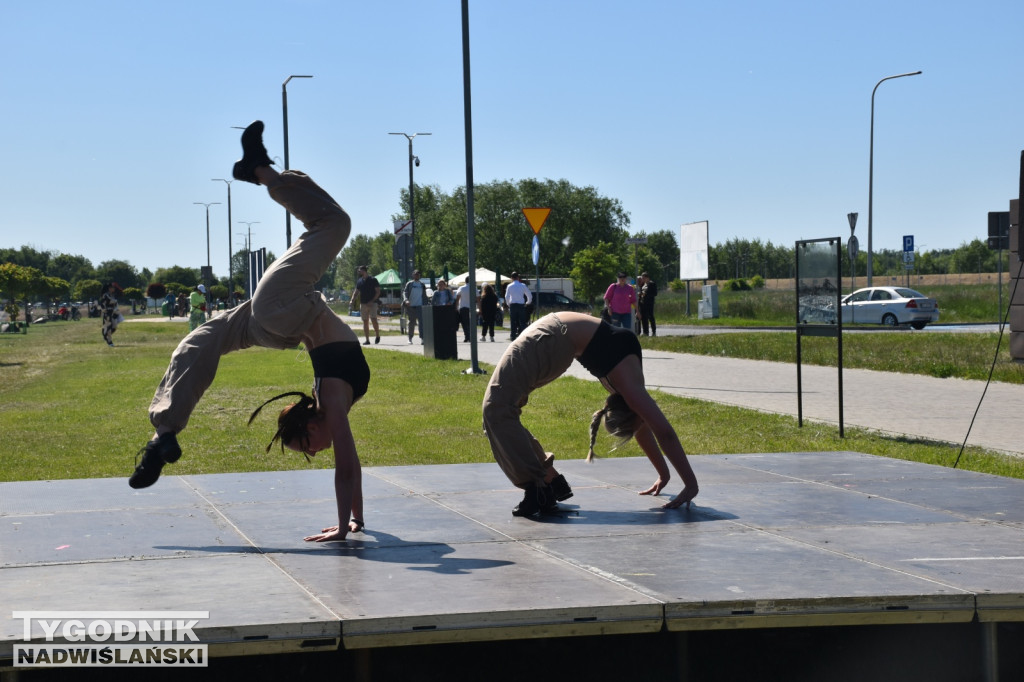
x=757, y=282
x=738, y=285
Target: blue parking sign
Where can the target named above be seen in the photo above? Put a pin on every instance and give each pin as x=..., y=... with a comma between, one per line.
x=908, y=242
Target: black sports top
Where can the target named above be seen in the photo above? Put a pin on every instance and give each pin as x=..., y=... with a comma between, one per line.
x=607, y=348
x=342, y=360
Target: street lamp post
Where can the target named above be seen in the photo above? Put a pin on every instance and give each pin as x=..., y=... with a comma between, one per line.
x=231, y=270
x=248, y=224
x=212, y=203
x=871, y=164
x=209, y=270
x=412, y=196
x=284, y=105
x=248, y=251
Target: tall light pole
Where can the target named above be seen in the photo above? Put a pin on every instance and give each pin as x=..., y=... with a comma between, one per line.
x=284, y=104
x=248, y=250
x=871, y=163
x=231, y=269
x=412, y=196
x=248, y=224
x=212, y=203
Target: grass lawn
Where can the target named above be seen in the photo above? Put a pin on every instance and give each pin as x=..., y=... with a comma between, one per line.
x=74, y=408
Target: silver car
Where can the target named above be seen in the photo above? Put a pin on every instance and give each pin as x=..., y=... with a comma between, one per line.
x=889, y=306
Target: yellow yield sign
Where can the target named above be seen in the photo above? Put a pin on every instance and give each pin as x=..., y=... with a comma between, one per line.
x=536, y=217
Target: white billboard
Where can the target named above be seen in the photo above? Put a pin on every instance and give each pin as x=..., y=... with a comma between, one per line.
x=693, y=251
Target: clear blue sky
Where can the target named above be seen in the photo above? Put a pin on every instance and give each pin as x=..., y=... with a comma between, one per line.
x=752, y=115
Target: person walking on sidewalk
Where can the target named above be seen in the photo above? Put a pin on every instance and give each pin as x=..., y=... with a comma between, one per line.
x=541, y=354
x=283, y=312
x=368, y=291
x=415, y=297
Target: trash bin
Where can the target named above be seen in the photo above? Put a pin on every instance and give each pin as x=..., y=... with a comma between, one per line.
x=439, y=324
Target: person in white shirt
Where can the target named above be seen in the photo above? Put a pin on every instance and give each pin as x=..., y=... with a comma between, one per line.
x=517, y=297
x=464, y=302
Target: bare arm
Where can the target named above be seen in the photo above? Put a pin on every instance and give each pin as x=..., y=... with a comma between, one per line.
x=645, y=439
x=335, y=401
x=628, y=380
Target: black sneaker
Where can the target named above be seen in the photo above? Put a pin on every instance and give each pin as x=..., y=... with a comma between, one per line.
x=156, y=453
x=560, y=488
x=254, y=154
x=536, y=499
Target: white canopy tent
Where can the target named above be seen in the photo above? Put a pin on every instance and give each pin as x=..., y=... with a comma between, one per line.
x=483, y=276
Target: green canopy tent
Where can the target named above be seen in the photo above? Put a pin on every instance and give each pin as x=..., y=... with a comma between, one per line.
x=390, y=292
x=389, y=279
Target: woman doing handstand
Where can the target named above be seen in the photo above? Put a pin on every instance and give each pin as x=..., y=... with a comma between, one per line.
x=283, y=312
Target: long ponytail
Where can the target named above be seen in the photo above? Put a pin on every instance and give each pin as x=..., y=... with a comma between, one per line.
x=292, y=422
x=619, y=420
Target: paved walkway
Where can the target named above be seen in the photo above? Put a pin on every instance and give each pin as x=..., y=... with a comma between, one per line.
x=901, y=404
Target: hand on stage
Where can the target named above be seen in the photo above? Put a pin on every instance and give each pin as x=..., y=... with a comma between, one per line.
x=654, y=489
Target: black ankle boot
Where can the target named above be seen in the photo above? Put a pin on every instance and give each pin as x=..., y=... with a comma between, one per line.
x=254, y=154
x=560, y=488
x=156, y=453
x=536, y=499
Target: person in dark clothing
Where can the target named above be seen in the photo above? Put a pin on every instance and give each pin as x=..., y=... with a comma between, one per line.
x=488, y=312
x=645, y=304
x=111, y=315
x=368, y=291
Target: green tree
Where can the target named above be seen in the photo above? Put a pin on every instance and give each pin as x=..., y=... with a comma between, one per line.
x=593, y=269
x=358, y=251
x=663, y=245
x=71, y=268
x=383, y=257
x=119, y=271
x=22, y=282
x=648, y=261
x=133, y=294
x=88, y=289
x=218, y=292
x=55, y=288
x=427, y=228
x=27, y=257
x=188, y=277
x=579, y=217
x=974, y=257
x=156, y=290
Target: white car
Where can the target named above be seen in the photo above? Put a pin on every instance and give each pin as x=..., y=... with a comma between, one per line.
x=890, y=306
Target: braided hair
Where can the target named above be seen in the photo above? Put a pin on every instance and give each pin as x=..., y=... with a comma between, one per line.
x=292, y=422
x=619, y=420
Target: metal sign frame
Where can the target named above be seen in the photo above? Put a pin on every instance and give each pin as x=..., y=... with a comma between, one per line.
x=818, y=311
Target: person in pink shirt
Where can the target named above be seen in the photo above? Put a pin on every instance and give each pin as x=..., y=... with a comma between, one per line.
x=621, y=299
